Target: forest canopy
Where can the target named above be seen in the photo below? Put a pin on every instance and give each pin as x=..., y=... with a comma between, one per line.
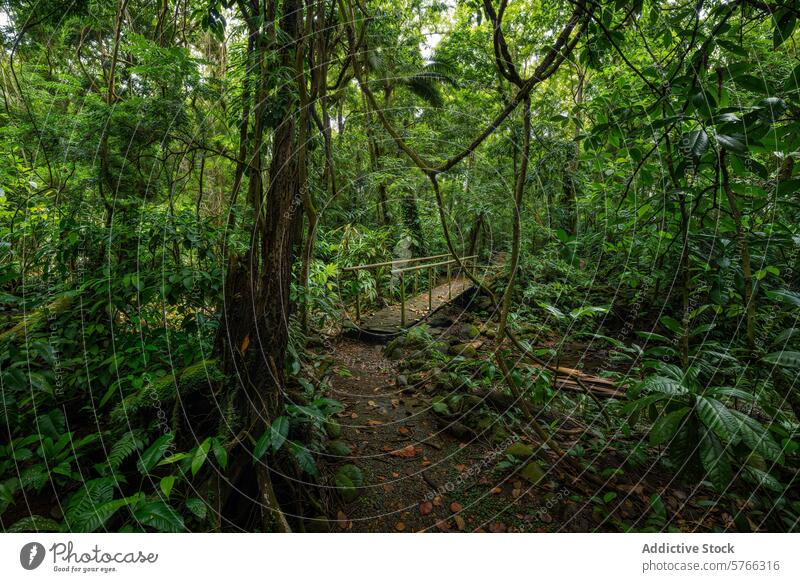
x=571, y=227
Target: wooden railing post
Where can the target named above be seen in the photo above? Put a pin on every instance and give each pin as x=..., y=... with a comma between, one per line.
x=358, y=299
x=449, y=284
x=430, y=289
x=402, y=300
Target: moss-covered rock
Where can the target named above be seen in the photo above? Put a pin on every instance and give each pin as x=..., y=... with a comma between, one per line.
x=465, y=350
x=520, y=451
x=532, y=473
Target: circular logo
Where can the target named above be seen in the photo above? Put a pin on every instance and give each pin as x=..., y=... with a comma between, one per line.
x=31, y=555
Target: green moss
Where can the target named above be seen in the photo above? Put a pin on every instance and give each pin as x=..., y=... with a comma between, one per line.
x=161, y=392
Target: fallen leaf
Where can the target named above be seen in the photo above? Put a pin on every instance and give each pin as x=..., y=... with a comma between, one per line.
x=425, y=508
x=244, y=344
x=395, y=475
x=497, y=527
x=404, y=430
x=354, y=415
x=442, y=525
x=496, y=491
x=399, y=526
x=460, y=468
x=437, y=501
x=405, y=452
x=455, y=507
x=374, y=422
x=460, y=523
x=388, y=488
x=371, y=403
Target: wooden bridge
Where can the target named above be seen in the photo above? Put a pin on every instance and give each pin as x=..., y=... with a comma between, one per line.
x=424, y=285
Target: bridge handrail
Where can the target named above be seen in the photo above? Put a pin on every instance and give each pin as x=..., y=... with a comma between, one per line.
x=431, y=268
x=393, y=262
x=440, y=264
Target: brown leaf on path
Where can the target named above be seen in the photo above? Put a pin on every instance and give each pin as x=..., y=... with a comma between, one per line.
x=395, y=475
x=460, y=467
x=455, y=507
x=497, y=527
x=425, y=508
x=443, y=525
x=405, y=452
x=399, y=526
x=374, y=422
x=460, y=523
x=388, y=488
x=437, y=501
x=404, y=430
x=496, y=491
x=244, y=344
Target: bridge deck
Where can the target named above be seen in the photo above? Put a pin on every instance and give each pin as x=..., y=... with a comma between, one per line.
x=388, y=319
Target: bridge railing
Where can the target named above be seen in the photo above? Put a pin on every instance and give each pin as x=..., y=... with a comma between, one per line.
x=400, y=268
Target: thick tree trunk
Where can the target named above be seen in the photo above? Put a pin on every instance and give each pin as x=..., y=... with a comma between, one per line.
x=253, y=337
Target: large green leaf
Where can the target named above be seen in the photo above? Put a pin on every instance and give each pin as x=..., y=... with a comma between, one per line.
x=279, y=430
x=717, y=418
x=665, y=427
x=200, y=456
x=664, y=385
x=715, y=461
x=153, y=454
x=160, y=516
x=783, y=358
x=304, y=458
x=785, y=21
x=694, y=143
x=757, y=437
x=735, y=143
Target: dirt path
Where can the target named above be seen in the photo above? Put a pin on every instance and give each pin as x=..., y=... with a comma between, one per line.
x=417, y=476
x=422, y=475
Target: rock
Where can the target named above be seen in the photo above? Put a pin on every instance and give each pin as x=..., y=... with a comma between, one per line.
x=465, y=350
x=469, y=331
x=397, y=353
x=520, y=451
x=532, y=473
x=402, y=380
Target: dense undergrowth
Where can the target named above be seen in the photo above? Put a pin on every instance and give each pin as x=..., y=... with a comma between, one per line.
x=163, y=367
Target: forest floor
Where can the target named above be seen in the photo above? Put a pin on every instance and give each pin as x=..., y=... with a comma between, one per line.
x=425, y=474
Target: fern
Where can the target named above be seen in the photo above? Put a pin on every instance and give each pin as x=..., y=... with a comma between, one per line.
x=84, y=509
x=124, y=448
